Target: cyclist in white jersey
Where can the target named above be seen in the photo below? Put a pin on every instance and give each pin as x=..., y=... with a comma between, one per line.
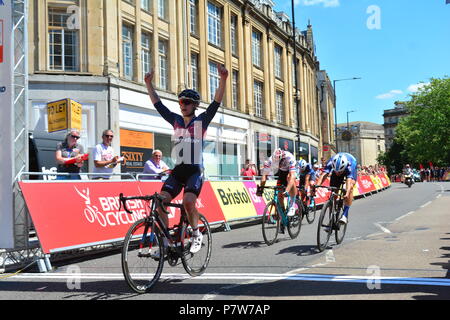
x=285, y=163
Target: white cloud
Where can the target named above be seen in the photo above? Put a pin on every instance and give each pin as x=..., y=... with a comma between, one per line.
x=415, y=87
x=326, y=3
x=391, y=94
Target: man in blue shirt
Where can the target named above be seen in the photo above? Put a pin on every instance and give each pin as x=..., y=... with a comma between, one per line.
x=342, y=165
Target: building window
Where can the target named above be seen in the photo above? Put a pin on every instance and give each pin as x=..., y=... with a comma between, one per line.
x=162, y=9
x=146, y=5
x=258, y=98
x=193, y=7
x=256, y=48
x=163, y=74
x=194, y=71
x=63, y=42
x=279, y=106
x=214, y=25
x=127, y=51
x=235, y=89
x=233, y=35
x=214, y=79
x=145, y=53
x=277, y=57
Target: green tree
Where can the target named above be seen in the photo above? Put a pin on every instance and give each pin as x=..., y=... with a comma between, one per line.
x=425, y=133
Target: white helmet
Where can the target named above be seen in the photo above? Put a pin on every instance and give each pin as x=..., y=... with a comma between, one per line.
x=339, y=162
x=302, y=165
x=278, y=154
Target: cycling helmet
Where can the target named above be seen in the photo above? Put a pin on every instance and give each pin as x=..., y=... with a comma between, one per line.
x=339, y=162
x=302, y=165
x=189, y=94
x=277, y=155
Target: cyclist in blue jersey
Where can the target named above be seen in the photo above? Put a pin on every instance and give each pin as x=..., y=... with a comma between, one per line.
x=342, y=165
x=307, y=176
x=189, y=132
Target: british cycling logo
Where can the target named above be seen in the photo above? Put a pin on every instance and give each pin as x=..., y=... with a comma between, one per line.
x=110, y=214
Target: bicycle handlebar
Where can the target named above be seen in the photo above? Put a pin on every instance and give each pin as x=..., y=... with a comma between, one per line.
x=123, y=200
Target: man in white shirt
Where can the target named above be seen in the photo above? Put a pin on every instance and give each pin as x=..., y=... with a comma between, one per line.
x=155, y=166
x=104, y=159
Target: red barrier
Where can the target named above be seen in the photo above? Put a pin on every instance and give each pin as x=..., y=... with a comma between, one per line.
x=69, y=215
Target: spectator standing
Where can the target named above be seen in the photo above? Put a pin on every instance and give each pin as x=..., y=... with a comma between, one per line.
x=69, y=156
x=155, y=165
x=104, y=159
x=249, y=170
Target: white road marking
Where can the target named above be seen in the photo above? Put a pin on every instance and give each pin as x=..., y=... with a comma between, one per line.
x=385, y=230
x=404, y=216
x=251, y=277
x=426, y=204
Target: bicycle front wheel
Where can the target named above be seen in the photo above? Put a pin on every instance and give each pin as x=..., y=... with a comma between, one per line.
x=311, y=215
x=341, y=229
x=295, y=222
x=142, y=256
x=270, y=223
x=196, y=263
x=324, y=227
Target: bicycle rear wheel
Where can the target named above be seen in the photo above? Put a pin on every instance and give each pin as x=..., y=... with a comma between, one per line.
x=340, y=229
x=142, y=256
x=324, y=227
x=196, y=264
x=311, y=215
x=270, y=223
x=295, y=222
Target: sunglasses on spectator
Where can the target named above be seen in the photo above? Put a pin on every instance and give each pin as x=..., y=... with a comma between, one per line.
x=75, y=137
x=109, y=136
x=186, y=102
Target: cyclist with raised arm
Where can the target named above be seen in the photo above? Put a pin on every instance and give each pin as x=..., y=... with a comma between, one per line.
x=342, y=165
x=285, y=163
x=189, y=132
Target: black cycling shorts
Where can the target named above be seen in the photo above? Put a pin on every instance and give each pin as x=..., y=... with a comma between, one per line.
x=185, y=176
x=336, y=181
x=282, y=178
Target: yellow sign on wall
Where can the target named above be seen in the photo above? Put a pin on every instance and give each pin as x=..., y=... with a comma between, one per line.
x=64, y=114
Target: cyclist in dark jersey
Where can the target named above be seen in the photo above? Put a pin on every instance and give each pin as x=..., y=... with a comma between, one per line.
x=189, y=131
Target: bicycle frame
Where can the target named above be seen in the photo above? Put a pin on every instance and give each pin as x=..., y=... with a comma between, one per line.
x=153, y=218
x=277, y=189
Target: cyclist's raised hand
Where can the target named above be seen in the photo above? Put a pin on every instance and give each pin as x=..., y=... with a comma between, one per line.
x=223, y=72
x=149, y=77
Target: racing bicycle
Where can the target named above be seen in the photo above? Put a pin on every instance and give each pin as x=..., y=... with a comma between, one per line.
x=308, y=205
x=330, y=215
x=144, y=253
x=275, y=218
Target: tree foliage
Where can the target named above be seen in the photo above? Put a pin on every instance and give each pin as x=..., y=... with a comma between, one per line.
x=425, y=133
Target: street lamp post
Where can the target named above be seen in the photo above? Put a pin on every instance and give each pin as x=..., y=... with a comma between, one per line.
x=348, y=128
x=295, y=79
x=335, y=108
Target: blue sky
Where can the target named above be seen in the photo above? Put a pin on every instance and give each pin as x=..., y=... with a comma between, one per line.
x=408, y=42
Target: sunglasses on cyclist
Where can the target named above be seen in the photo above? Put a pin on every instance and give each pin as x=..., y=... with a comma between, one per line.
x=75, y=137
x=186, y=102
